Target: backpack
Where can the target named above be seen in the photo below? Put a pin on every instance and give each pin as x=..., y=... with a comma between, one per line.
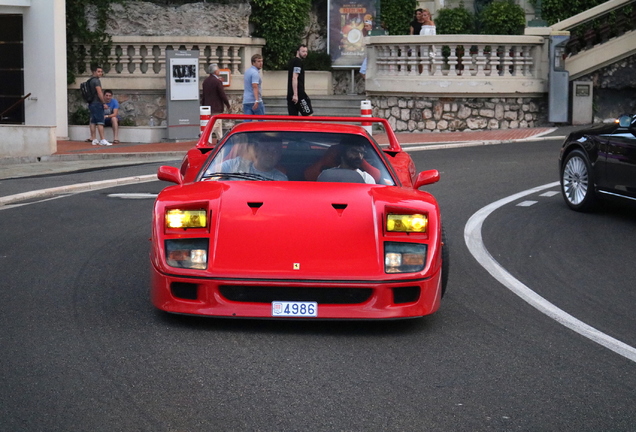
x=87, y=90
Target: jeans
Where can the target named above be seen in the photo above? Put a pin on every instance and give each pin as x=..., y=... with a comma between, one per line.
x=247, y=109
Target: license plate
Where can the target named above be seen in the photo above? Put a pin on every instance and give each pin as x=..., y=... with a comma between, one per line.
x=294, y=309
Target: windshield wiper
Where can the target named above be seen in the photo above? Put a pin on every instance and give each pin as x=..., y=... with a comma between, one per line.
x=238, y=175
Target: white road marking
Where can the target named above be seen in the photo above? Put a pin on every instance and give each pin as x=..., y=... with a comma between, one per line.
x=10, y=206
x=133, y=195
x=549, y=193
x=473, y=239
x=526, y=203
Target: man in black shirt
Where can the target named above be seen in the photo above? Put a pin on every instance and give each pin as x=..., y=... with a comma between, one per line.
x=297, y=100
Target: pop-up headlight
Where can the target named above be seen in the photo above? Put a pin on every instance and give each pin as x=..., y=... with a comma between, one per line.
x=404, y=257
x=187, y=253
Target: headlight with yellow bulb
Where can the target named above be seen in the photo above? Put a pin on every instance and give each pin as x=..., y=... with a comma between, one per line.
x=178, y=218
x=415, y=223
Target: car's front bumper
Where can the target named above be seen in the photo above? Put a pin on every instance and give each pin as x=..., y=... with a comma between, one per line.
x=336, y=299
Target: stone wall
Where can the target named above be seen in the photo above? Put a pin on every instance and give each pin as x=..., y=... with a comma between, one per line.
x=614, y=89
x=420, y=114
x=138, y=18
x=137, y=108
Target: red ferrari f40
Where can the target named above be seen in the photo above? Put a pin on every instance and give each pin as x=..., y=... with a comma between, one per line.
x=298, y=217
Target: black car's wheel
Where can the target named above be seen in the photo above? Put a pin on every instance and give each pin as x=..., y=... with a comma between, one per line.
x=577, y=182
x=445, y=262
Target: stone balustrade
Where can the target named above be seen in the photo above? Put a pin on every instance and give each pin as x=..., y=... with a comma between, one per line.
x=139, y=62
x=467, y=65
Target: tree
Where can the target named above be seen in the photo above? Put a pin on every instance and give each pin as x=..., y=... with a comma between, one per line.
x=281, y=23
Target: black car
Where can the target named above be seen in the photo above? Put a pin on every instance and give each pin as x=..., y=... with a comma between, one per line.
x=599, y=162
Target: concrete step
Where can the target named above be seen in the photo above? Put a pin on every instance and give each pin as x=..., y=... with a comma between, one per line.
x=339, y=106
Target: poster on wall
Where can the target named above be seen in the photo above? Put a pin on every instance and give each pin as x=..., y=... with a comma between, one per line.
x=349, y=22
x=184, y=78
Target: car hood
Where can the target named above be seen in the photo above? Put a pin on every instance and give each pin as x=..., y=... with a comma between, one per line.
x=299, y=229
x=600, y=129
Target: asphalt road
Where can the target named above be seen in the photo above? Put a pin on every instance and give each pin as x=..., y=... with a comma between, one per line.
x=83, y=349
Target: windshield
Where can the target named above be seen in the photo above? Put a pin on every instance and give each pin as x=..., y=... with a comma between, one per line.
x=298, y=156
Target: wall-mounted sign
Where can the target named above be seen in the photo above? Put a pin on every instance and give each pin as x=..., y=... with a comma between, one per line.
x=349, y=22
x=226, y=77
x=582, y=90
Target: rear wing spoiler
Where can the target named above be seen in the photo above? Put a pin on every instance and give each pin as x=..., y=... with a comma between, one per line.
x=394, y=144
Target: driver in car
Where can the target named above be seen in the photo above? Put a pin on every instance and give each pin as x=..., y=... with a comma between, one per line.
x=267, y=153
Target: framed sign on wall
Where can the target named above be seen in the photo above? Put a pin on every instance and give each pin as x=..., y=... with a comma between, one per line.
x=226, y=77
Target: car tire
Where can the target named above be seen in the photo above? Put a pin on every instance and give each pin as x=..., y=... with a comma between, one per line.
x=445, y=262
x=577, y=182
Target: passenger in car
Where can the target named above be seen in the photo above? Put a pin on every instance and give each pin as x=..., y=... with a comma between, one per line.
x=332, y=158
x=351, y=158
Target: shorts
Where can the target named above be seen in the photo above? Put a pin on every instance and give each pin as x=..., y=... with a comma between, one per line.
x=109, y=121
x=97, y=113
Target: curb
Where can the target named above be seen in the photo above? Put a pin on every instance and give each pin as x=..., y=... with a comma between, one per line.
x=89, y=157
x=76, y=188
x=459, y=144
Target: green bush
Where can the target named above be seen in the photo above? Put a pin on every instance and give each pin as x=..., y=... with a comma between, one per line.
x=81, y=116
x=127, y=121
x=397, y=15
x=318, y=61
x=455, y=21
x=502, y=18
x=281, y=23
x=554, y=11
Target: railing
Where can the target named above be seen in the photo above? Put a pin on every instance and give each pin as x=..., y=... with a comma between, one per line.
x=466, y=64
x=598, y=25
x=599, y=36
x=145, y=57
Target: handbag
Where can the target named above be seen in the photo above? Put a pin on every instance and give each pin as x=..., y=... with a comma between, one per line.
x=304, y=106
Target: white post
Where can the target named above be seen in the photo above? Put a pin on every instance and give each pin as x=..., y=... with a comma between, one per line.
x=204, y=116
x=366, y=111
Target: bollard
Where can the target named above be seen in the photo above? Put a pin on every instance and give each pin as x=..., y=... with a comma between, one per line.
x=366, y=111
x=204, y=113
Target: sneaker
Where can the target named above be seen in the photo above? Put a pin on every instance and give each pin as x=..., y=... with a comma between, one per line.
x=104, y=142
x=95, y=142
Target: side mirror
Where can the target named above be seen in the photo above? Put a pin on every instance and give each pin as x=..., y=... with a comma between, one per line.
x=625, y=120
x=425, y=178
x=169, y=174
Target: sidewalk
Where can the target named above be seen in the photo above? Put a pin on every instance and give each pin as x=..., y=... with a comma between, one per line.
x=80, y=155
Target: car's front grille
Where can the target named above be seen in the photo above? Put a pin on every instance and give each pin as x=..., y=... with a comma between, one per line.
x=257, y=294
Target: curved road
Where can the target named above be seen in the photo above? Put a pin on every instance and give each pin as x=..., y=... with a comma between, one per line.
x=84, y=350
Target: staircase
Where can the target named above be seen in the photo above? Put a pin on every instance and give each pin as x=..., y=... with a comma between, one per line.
x=334, y=105
x=599, y=36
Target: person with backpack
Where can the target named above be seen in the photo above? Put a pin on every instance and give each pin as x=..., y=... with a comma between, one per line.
x=96, y=101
